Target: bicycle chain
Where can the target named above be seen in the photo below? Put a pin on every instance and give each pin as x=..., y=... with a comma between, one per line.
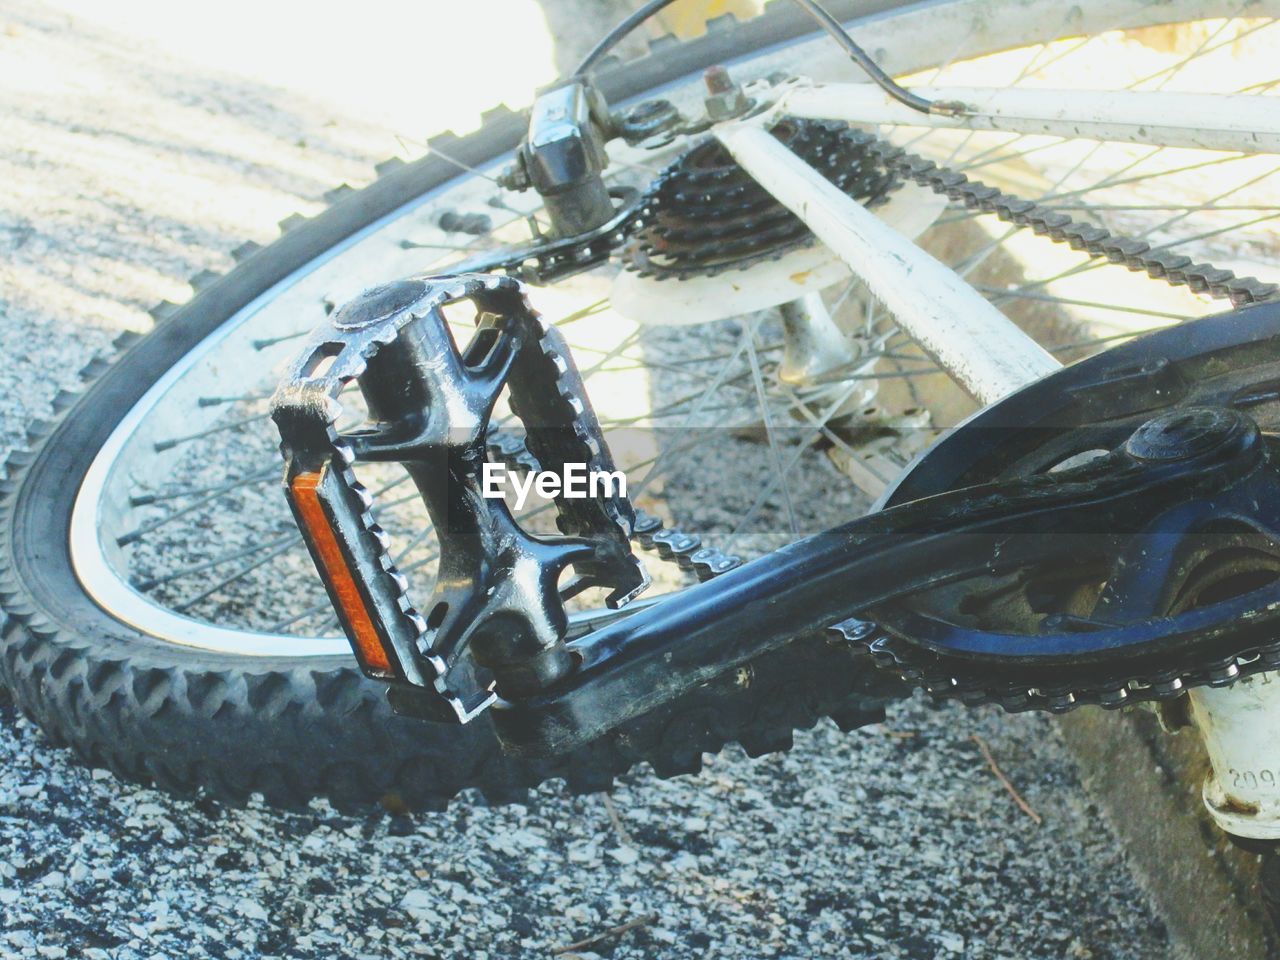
x=1138, y=255
x=1116, y=690
x=669, y=543
x=638, y=230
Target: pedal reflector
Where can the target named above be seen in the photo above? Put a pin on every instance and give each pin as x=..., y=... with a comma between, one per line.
x=304, y=490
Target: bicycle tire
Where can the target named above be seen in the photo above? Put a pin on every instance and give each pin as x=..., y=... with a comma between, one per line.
x=291, y=729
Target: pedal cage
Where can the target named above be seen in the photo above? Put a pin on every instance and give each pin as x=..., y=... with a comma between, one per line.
x=497, y=619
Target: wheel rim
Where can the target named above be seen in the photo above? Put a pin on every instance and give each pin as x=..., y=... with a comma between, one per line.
x=104, y=511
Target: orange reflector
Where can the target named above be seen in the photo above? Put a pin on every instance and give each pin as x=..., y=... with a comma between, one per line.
x=304, y=489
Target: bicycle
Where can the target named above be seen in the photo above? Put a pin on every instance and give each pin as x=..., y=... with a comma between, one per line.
x=114, y=650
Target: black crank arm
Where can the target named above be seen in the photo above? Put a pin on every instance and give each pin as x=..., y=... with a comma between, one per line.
x=637, y=664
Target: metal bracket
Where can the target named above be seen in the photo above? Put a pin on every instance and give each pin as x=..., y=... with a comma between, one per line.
x=563, y=158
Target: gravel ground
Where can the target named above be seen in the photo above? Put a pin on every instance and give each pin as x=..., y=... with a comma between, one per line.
x=127, y=169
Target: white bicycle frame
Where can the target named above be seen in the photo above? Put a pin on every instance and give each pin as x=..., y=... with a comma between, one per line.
x=983, y=350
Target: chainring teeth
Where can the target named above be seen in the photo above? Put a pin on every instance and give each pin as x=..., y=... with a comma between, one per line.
x=944, y=678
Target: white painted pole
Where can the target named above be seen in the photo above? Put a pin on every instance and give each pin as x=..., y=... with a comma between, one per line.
x=1240, y=725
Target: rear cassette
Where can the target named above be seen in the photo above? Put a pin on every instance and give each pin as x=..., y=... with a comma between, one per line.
x=706, y=215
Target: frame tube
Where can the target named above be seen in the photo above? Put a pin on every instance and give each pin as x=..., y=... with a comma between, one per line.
x=986, y=353
x=1207, y=121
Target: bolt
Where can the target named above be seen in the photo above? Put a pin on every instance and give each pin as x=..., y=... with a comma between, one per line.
x=515, y=176
x=725, y=99
x=717, y=80
x=1186, y=433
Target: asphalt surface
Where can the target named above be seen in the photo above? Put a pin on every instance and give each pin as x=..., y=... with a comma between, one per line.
x=127, y=169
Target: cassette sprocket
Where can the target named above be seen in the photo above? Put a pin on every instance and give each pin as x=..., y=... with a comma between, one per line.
x=706, y=215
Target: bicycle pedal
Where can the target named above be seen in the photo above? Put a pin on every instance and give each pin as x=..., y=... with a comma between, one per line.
x=496, y=622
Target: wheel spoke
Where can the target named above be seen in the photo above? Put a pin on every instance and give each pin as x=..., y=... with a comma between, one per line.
x=309, y=611
x=147, y=499
x=817, y=427
x=243, y=398
x=717, y=381
x=190, y=602
x=212, y=495
x=995, y=292
x=775, y=453
x=171, y=442
x=1204, y=49
x=214, y=562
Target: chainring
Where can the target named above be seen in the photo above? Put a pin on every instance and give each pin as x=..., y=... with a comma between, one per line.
x=1229, y=361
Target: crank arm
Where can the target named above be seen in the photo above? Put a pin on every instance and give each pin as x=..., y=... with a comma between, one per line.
x=635, y=665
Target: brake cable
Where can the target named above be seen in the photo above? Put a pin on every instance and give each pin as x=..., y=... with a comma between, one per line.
x=824, y=19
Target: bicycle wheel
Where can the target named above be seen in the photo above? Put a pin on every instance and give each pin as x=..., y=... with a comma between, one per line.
x=163, y=620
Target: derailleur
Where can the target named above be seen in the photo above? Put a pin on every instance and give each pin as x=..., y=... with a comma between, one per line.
x=563, y=159
x=563, y=155
x=1109, y=535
